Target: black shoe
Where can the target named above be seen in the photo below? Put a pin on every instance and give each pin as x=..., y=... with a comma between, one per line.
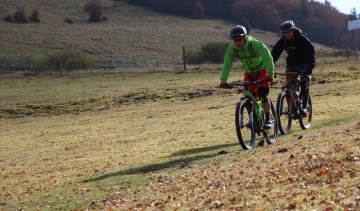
x=295, y=116
x=261, y=143
x=303, y=112
x=268, y=124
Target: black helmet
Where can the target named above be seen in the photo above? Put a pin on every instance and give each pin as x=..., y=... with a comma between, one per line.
x=238, y=31
x=287, y=26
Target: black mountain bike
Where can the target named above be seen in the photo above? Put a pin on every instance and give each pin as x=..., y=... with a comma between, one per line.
x=250, y=117
x=289, y=104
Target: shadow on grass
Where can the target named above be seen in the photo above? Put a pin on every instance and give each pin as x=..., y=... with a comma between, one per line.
x=203, y=149
x=180, y=163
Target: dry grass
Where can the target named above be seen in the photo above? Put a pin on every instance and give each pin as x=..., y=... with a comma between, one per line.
x=180, y=150
x=132, y=34
x=158, y=138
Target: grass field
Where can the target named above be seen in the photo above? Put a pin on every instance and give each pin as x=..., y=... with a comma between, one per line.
x=166, y=139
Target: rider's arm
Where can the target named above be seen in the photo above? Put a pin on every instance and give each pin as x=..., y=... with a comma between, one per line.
x=278, y=49
x=267, y=58
x=310, y=55
x=228, y=59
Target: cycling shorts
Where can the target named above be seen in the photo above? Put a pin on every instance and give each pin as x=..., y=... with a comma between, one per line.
x=249, y=77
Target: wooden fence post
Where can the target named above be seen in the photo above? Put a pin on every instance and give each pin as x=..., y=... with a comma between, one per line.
x=184, y=60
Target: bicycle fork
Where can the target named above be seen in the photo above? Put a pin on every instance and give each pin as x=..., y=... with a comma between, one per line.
x=294, y=104
x=259, y=117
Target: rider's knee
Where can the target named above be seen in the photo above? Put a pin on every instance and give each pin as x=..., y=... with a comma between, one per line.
x=263, y=94
x=264, y=99
x=304, y=85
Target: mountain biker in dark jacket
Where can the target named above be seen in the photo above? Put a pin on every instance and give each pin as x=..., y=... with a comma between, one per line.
x=300, y=56
x=257, y=64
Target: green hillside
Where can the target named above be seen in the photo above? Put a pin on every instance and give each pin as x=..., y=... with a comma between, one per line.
x=132, y=34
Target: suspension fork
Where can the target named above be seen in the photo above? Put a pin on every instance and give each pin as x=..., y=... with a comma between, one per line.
x=259, y=111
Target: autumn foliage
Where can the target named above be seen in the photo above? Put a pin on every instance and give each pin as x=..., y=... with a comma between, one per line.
x=322, y=22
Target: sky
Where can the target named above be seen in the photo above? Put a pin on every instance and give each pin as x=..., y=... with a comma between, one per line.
x=345, y=6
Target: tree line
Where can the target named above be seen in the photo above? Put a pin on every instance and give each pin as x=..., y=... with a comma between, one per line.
x=323, y=23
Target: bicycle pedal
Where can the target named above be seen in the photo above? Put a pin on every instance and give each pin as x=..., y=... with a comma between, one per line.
x=295, y=116
x=261, y=143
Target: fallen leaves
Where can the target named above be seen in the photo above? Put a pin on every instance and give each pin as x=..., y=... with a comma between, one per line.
x=292, y=205
x=321, y=176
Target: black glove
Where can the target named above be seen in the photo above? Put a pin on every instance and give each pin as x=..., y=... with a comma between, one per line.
x=309, y=68
x=309, y=71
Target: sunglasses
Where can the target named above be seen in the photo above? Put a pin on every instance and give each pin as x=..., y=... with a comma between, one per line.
x=238, y=39
x=286, y=32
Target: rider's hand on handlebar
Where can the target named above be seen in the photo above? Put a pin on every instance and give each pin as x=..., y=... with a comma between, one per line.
x=224, y=85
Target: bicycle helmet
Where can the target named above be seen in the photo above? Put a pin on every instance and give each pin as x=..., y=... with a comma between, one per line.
x=287, y=26
x=238, y=31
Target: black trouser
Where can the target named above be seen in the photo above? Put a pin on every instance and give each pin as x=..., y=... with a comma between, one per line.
x=263, y=93
x=305, y=81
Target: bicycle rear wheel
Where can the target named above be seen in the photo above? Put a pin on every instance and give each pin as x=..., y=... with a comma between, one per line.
x=283, y=111
x=244, y=122
x=305, y=122
x=272, y=133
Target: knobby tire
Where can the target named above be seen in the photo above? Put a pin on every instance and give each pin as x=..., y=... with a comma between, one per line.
x=305, y=122
x=286, y=115
x=271, y=134
x=244, y=123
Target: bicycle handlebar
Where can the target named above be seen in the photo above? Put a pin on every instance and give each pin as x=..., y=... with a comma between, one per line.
x=286, y=74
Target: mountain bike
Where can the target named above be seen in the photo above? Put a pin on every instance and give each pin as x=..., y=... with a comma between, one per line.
x=250, y=118
x=289, y=103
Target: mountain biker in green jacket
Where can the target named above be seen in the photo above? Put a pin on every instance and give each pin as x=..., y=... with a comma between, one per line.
x=257, y=64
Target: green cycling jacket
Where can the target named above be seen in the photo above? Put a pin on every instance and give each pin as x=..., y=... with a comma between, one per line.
x=254, y=56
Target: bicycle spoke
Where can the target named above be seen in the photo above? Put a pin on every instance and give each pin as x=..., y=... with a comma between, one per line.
x=284, y=113
x=271, y=134
x=244, y=126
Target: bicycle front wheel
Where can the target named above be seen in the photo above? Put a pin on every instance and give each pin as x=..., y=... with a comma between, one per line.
x=272, y=133
x=283, y=111
x=305, y=122
x=244, y=122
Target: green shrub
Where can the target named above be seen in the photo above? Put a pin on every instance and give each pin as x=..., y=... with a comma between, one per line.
x=94, y=9
x=20, y=16
x=13, y=64
x=66, y=61
x=194, y=58
x=212, y=52
x=34, y=17
x=9, y=18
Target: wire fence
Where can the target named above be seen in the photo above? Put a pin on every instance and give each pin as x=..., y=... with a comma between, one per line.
x=11, y=65
x=7, y=64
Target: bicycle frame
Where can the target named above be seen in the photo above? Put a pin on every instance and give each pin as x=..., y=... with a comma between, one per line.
x=291, y=94
x=252, y=109
x=256, y=104
x=292, y=90
x=257, y=108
